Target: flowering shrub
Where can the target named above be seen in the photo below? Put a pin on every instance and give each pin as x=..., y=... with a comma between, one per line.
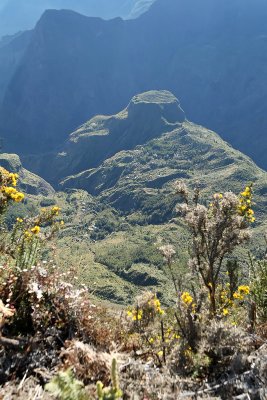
x=8, y=191
x=48, y=323
x=216, y=231
x=245, y=203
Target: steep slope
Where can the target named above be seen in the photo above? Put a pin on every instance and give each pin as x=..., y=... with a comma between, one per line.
x=11, y=52
x=61, y=55
x=212, y=54
x=142, y=179
x=17, y=15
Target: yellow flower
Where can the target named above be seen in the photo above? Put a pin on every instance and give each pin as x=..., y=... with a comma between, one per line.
x=8, y=190
x=157, y=303
x=20, y=220
x=225, y=311
x=151, y=340
x=139, y=314
x=244, y=289
x=36, y=230
x=12, y=193
x=27, y=235
x=136, y=315
x=238, y=296
x=18, y=197
x=56, y=210
x=13, y=178
x=186, y=298
x=176, y=336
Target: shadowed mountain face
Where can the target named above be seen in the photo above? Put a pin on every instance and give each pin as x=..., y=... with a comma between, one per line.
x=11, y=53
x=19, y=15
x=211, y=54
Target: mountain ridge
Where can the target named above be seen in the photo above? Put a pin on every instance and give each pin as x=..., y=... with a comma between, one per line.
x=16, y=15
x=217, y=73
x=141, y=176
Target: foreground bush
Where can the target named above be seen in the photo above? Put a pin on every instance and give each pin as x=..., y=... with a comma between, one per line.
x=52, y=333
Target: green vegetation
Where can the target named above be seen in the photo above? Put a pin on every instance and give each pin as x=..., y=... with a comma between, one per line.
x=65, y=387
x=48, y=320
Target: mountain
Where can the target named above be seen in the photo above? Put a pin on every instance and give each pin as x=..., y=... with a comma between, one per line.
x=211, y=54
x=147, y=116
x=17, y=15
x=169, y=148
x=121, y=203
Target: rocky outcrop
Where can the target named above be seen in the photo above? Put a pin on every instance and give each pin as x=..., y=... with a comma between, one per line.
x=28, y=182
x=147, y=116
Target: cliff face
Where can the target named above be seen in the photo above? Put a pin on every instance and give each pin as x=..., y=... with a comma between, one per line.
x=11, y=52
x=60, y=81
x=211, y=54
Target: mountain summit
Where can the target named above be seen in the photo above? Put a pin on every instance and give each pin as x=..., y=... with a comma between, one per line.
x=132, y=159
x=147, y=116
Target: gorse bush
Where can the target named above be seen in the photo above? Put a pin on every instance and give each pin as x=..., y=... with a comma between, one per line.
x=41, y=308
x=21, y=281
x=21, y=242
x=32, y=294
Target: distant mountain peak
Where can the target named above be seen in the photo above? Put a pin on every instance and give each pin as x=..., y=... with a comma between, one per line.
x=157, y=103
x=155, y=96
